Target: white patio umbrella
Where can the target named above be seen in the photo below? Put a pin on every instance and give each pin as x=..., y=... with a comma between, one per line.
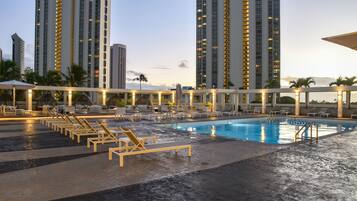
x=13, y=84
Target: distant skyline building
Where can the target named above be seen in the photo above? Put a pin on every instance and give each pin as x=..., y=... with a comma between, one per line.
x=74, y=32
x=18, y=51
x=238, y=43
x=118, y=66
x=0, y=55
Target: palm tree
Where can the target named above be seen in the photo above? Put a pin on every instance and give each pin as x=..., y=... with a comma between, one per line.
x=272, y=84
x=52, y=78
x=306, y=83
x=303, y=82
x=31, y=77
x=141, y=78
x=9, y=71
x=339, y=82
x=230, y=84
x=296, y=83
x=349, y=81
x=76, y=76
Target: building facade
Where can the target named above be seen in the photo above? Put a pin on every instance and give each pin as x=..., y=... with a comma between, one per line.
x=18, y=51
x=238, y=43
x=0, y=55
x=118, y=66
x=74, y=32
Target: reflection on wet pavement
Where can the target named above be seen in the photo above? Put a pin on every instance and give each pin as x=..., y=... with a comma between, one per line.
x=31, y=163
x=31, y=142
x=327, y=171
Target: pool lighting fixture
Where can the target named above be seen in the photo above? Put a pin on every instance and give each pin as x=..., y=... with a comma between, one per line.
x=213, y=131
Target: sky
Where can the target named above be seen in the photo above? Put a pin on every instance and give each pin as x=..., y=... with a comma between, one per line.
x=160, y=36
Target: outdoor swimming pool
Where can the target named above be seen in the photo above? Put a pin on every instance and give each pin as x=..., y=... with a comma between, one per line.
x=264, y=130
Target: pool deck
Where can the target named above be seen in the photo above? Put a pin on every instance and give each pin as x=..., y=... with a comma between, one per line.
x=38, y=164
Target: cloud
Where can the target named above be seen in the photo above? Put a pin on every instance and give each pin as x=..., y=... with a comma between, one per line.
x=148, y=86
x=161, y=67
x=183, y=64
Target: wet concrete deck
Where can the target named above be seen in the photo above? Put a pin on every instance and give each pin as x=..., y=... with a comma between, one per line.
x=219, y=169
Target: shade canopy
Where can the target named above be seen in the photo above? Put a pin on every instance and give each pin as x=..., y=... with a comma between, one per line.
x=15, y=84
x=348, y=40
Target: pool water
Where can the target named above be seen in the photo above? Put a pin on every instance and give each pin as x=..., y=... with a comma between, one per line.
x=280, y=131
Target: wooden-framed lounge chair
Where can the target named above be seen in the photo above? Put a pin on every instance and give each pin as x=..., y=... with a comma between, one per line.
x=56, y=120
x=137, y=147
x=61, y=127
x=106, y=136
x=52, y=117
x=83, y=129
x=324, y=113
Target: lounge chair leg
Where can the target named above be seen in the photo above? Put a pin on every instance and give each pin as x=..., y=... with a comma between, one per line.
x=88, y=143
x=95, y=147
x=121, y=161
x=189, y=154
x=110, y=154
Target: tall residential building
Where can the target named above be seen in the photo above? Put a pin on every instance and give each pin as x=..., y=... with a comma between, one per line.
x=0, y=55
x=74, y=32
x=238, y=43
x=118, y=66
x=18, y=51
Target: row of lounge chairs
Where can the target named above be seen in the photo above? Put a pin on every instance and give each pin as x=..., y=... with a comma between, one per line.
x=158, y=117
x=128, y=142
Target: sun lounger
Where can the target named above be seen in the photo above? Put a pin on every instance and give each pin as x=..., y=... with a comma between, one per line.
x=82, y=130
x=257, y=110
x=137, y=147
x=324, y=113
x=312, y=114
x=353, y=116
x=284, y=112
x=106, y=136
x=62, y=126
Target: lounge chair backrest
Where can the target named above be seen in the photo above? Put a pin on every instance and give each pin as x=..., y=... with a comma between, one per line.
x=68, y=119
x=87, y=124
x=79, y=121
x=134, y=139
x=107, y=131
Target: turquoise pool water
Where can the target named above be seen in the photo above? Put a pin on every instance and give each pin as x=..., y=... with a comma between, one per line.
x=280, y=131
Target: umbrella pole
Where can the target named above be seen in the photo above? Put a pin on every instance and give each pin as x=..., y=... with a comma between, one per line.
x=13, y=96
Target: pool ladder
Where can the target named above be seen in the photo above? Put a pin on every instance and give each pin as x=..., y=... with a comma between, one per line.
x=299, y=135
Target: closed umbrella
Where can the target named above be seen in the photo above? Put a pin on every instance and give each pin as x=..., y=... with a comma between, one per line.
x=13, y=84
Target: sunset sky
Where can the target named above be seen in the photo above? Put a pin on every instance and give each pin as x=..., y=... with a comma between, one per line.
x=160, y=36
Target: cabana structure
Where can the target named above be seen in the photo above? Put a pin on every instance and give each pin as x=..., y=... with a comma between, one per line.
x=14, y=85
x=348, y=40
x=217, y=97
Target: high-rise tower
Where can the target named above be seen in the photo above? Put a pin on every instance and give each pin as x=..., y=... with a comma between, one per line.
x=0, y=55
x=118, y=66
x=238, y=43
x=74, y=32
x=18, y=51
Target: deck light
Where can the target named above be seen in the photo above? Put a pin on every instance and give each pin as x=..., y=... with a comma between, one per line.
x=69, y=98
